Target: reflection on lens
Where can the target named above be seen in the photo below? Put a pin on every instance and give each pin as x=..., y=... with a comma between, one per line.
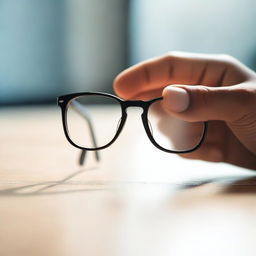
x=172, y=133
x=90, y=123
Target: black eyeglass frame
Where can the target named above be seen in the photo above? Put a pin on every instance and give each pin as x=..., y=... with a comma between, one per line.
x=64, y=100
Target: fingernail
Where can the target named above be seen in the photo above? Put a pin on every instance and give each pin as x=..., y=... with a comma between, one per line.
x=175, y=99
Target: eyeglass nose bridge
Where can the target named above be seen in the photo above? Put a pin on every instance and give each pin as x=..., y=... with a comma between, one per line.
x=135, y=103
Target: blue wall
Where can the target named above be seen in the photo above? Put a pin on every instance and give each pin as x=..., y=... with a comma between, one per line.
x=52, y=47
x=31, y=50
x=204, y=26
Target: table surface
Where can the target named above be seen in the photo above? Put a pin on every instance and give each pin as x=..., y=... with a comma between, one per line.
x=136, y=201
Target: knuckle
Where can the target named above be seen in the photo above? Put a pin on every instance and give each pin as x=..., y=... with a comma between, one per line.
x=169, y=56
x=172, y=55
x=226, y=58
x=203, y=95
x=231, y=63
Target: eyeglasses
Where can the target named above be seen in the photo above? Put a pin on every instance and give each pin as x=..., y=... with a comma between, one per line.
x=91, y=127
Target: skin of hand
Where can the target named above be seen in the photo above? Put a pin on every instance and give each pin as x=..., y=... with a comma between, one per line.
x=202, y=87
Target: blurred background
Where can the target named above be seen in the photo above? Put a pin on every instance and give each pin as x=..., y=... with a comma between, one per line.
x=54, y=47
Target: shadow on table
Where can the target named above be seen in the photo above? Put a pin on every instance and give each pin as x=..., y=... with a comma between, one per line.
x=44, y=188
x=229, y=185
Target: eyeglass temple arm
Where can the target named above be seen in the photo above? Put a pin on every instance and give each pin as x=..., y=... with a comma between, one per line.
x=85, y=114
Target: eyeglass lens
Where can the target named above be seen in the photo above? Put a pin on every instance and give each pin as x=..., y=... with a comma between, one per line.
x=172, y=133
x=85, y=120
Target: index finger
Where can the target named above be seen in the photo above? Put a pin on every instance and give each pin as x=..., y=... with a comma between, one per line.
x=146, y=76
x=150, y=77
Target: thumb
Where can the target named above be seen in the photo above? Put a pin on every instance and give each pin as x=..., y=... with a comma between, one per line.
x=203, y=103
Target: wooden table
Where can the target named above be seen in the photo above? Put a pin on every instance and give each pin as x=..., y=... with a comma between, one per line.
x=137, y=201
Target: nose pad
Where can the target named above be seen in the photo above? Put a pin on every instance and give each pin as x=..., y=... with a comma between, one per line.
x=118, y=124
x=150, y=127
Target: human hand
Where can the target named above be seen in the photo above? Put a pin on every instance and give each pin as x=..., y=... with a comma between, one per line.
x=202, y=87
